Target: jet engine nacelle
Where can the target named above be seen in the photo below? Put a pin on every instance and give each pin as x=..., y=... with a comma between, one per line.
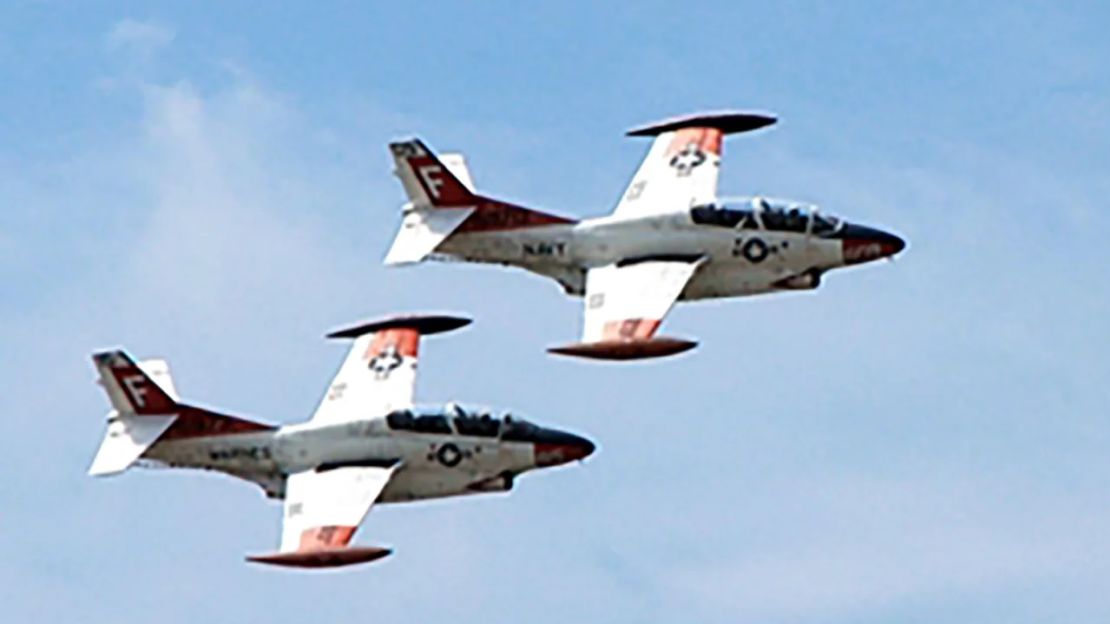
x=501, y=483
x=803, y=281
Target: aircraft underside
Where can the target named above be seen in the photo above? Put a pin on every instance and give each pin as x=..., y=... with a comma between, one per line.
x=727, y=271
x=256, y=458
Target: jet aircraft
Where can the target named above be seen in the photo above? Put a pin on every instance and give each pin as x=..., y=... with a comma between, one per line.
x=366, y=442
x=670, y=238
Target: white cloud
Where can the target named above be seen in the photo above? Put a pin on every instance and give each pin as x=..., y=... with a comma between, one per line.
x=137, y=35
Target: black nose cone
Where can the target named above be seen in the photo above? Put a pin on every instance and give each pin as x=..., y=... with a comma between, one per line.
x=554, y=447
x=860, y=243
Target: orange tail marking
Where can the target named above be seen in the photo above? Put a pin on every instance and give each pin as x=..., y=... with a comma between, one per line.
x=404, y=341
x=630, y=329
x=325, y=537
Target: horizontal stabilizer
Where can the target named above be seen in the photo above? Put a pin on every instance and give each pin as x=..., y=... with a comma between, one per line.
x=127, y=437
x=329, y=558
x=636, y=349
x=422, y=231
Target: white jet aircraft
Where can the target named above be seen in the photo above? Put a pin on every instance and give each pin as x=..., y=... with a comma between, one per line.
x=670, y=238
x=366, y=442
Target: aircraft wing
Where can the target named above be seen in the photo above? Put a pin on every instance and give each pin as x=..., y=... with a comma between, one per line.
x=323, y=508
x=625, y=303
x=682, y=166
x=379, y=372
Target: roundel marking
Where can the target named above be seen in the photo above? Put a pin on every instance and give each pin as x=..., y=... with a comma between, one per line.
x=385, y=362
x=755, y=250
x=687, y=159
x=449, y=455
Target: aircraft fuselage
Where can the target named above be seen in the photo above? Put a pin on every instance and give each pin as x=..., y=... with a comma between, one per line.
x=431, y=464
x=738, y=261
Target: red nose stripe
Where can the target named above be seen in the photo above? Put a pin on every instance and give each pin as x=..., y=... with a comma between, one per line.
x=856, y=251
x=553, y=454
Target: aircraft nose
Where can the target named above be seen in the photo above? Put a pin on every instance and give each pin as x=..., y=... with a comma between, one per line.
x=861, y=243
x=559, y=447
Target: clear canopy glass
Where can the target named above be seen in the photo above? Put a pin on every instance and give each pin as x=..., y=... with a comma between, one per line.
x=764, y=213
x=464, y=420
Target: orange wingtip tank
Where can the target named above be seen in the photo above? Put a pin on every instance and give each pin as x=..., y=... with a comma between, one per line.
x=626, y=349
x=323, y=558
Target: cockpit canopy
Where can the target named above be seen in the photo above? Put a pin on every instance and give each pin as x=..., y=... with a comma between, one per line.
x=761, y=213
x=467, y=421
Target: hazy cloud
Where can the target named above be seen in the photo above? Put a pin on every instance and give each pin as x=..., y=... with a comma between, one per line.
x=138, y=35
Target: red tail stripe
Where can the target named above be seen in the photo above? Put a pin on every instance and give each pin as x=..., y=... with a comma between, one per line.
x=194, y=422
x=493, y=216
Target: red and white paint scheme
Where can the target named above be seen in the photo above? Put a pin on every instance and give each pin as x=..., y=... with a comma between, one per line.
x=670, y=238
x=366, y=443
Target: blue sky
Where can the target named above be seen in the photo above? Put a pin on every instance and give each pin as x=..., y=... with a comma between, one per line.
x=917, y=441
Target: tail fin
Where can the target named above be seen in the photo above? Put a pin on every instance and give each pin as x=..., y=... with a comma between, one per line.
x=442, y=202
x=142, y=409
x=428, y=181
x=145, y=409
x=132, y=388
x=456, y=164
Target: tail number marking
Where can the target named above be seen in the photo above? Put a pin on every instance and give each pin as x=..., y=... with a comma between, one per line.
x=135, y=385
x=430, y=176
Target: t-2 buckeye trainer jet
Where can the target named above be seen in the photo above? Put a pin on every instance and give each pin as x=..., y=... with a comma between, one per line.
x=366, y=442
x=670, y=238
